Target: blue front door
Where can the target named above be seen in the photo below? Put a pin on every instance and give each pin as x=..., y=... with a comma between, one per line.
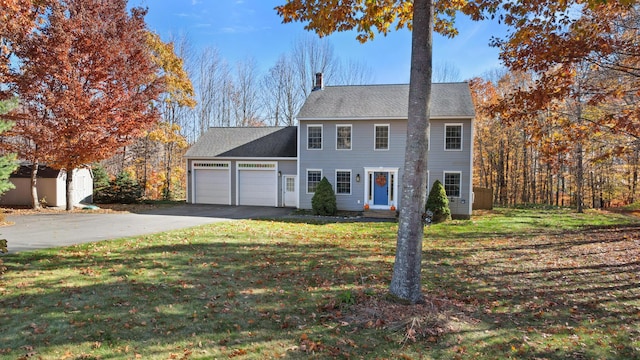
x=380, y=188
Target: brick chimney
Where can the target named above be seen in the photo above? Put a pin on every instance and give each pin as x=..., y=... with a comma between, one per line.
x=318, y=85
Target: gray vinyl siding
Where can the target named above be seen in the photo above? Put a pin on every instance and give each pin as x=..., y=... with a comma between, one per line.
x=361, y=155
x=440, y=161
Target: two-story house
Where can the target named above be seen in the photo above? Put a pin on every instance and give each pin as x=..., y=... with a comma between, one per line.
x=354, y=136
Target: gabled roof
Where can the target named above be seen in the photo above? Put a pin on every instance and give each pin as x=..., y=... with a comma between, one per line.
x=448, y=100
x=24, y=171
x=246, y=142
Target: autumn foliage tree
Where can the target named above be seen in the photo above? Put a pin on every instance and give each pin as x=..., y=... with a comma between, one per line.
x=86, y=81
x=178, y=94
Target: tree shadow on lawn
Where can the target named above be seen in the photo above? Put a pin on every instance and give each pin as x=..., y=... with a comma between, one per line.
x=564, y=297
x=574, y=296
x=214, y=299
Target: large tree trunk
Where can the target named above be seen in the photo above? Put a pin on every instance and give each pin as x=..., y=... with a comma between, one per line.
x=406, y=281
x=35, y=202
x=69, y=187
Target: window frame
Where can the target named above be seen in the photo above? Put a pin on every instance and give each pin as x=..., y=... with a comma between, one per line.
x=320, y=126
x=375, y=137
x=446, y=126
x=444, y=183
x=338, y=126
x=307, y=180
x=350, y=172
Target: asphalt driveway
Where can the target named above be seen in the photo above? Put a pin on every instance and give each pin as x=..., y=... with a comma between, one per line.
x=39, y=231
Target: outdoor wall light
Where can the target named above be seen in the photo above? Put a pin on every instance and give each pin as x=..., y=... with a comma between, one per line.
x=279, y=173
x=357, y=177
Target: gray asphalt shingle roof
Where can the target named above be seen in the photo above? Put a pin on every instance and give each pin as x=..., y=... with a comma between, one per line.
x=249, y=142
x=385, y=101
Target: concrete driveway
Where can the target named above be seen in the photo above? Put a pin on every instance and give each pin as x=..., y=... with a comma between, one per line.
x=39, y=231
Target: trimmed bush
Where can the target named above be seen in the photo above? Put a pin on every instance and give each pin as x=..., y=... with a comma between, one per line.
x=438, y=203
x=324, y=200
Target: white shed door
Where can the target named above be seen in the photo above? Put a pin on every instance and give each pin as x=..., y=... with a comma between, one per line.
x=212, y=186
x=258, y=187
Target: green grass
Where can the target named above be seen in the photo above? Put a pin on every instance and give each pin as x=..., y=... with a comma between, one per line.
x=529, y=284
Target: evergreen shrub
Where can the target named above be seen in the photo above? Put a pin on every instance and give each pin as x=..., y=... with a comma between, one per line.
x=324, y=200
x=438, y=203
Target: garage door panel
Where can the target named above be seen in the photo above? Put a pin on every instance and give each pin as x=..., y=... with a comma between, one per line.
x=212, y=186
x=257, y=188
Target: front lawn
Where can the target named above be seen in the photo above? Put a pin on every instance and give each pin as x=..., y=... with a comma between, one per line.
x=522, y=284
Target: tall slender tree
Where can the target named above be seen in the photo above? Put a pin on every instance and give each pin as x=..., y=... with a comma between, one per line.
x=325, y=17
x=178, y=94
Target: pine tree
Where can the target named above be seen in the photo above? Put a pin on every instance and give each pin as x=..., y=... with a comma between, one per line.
x=8, y=161
x=100, y=178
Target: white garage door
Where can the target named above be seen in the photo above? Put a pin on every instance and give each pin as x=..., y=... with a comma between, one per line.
x=212, y=183
x=257, y=184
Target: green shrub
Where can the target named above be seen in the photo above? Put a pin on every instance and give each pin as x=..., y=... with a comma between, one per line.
x=324, y=200
x=123, y=190
x=438, y=203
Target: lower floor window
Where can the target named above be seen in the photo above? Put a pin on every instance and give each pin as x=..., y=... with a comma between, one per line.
x=343, y=182
x=313, y=178
x=452, y=181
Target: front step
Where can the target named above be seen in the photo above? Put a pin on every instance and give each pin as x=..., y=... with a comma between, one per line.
x=379, y=214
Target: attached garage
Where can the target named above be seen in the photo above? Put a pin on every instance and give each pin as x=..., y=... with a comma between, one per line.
x=242, y=166
x=257, y=184
x=212, y=183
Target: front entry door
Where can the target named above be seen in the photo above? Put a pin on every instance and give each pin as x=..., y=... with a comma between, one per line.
x=380, y=188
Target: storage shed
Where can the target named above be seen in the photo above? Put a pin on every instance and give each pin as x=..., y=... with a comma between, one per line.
x=51, y=185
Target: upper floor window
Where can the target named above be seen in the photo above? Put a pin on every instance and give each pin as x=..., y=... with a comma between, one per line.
x=343, y=137
x=452, y=182
x=314, y=137
x=382, y=137
x=343, y=182
x=453, y=137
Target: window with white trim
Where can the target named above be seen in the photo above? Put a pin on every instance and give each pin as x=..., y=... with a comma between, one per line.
x=452, y=183
x=343, y=137
x=381, y=137
x=313, y=179
x=343, y=182
x=314, y=137
x=453, y=137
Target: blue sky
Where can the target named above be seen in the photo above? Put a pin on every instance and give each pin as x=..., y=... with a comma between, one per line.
x=251, y=28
